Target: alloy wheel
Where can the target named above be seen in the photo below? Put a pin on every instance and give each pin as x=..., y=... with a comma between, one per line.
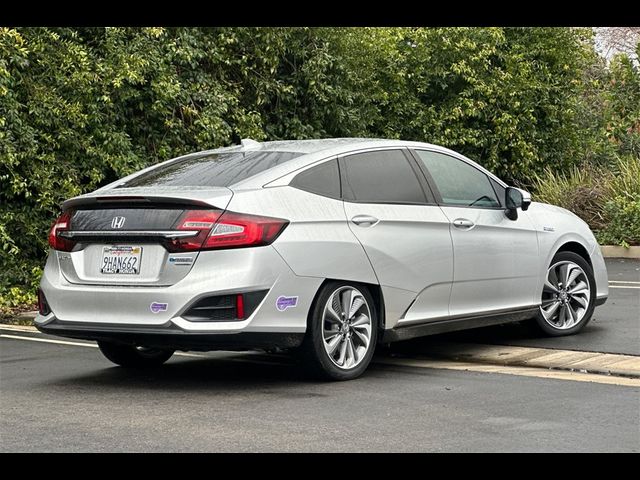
x=346, y=327
x=565, y=296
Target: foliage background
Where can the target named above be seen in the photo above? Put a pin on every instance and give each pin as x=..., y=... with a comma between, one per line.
x=80, y=107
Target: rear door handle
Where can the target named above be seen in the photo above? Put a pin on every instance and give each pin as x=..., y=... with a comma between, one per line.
x=365, y=220
x=463, y=223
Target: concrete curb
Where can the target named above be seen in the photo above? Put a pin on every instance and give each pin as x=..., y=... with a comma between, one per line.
x=18, y=328
x=27, y=315
x=570, y=360
x=616, y=251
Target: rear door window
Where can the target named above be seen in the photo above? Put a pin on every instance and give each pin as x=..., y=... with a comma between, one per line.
x=211, y=169
x=385, y=176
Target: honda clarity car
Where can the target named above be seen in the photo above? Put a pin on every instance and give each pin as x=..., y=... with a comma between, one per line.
x=324, y=247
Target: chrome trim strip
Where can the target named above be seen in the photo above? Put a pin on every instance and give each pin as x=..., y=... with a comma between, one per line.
x=79, y=234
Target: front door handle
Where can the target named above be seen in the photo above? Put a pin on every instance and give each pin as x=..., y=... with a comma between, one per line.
x=365, y=220
x=463, y=223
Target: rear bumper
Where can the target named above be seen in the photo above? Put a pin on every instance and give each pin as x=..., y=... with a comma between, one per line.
x=78, y=307
x=170, y=336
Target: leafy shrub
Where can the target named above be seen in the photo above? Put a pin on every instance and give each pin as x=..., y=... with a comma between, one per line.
x=582, y=190
x=80, y=107
x=623, y=228
x=608, y=199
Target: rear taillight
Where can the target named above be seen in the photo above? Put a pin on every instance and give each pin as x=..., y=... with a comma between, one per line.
x=227, y=230
x=62, y=224
x=201, y=221
x=235, y=230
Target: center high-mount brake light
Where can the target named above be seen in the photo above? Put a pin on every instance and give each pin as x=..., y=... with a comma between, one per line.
x=62, y=224
x=227, y=230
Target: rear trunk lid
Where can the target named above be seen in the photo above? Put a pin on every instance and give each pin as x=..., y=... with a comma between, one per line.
x=121, y=235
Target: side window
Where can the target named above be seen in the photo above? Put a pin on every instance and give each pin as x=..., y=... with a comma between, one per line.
x=385, y=176
x=458, y=182
x=323, y=180
x=500, y=191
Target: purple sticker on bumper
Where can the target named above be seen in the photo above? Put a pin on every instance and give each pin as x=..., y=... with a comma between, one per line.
x=282, y=303
x=158, y=307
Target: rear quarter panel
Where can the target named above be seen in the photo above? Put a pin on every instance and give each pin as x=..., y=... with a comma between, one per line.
x=317, y=242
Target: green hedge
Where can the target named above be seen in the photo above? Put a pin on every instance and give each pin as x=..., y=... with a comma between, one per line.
x=607, y=198
x=80, y=107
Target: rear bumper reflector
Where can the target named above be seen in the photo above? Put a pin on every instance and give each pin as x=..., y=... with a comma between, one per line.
x=43, y=305
x=224, y=308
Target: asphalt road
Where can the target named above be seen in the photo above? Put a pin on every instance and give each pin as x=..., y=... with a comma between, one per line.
x=68, y=398
x=614, y=328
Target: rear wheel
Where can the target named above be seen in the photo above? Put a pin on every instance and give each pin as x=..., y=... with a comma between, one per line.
x=342, y=331
x=133, y=356
x=568, y=296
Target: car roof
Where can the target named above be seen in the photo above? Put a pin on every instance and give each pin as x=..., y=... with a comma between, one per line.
x=313, y=151
x=301, y=146
x=306, y=147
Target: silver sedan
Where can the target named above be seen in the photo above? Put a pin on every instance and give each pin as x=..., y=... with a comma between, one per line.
x=322, y=247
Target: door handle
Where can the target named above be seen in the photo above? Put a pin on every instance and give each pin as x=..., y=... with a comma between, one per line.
x=463, y=223
x=365, y=220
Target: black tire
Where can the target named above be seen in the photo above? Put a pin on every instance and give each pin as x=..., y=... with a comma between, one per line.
x=315, y=356
x=546, y=327
x=131, y=356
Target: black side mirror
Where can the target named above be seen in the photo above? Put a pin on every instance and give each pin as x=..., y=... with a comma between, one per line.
x=513, y=200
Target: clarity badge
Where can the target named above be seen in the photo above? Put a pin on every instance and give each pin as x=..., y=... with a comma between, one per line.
x=157, y=307
x=282, y=303
x=181, y=260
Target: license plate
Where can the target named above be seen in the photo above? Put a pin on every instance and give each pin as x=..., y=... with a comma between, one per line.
x=121, y=260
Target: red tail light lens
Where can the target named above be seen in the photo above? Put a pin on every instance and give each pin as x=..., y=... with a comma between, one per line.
x=226, y=230
x=236, y=230
x=62, y=224
x=201, y=221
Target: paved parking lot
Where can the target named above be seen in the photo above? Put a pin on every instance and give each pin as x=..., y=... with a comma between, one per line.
x=68, y=398
x=65, y=396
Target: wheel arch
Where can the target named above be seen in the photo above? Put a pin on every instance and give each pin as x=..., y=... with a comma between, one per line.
x=576, y=248
x=579, y=249
x=374, y=289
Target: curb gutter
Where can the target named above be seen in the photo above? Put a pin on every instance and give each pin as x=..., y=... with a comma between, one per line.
x=569, y=360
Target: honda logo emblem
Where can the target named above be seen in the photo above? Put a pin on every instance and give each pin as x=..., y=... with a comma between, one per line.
x=118, y=222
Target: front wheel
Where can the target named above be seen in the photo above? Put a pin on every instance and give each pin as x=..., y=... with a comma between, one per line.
x=342, y=331
x=133, y=356
x=568, y=296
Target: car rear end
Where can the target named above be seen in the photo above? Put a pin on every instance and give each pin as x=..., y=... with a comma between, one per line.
x=158, y=263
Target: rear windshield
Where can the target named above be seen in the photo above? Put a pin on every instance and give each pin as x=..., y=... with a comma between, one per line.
x=211, y=170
